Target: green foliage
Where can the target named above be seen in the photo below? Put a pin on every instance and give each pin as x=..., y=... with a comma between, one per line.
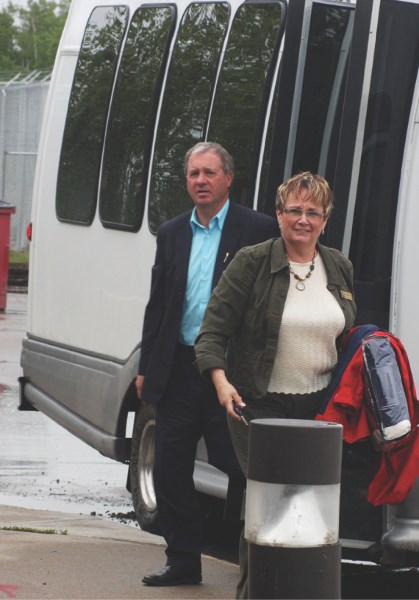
x=25, y=529
x=18, y=258
x=29, y=35
x=8, y=54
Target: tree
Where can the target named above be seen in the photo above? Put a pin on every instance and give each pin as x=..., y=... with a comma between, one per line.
x=30, y=35
x=8, y=50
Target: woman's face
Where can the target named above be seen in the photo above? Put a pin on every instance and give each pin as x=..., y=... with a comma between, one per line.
x=301, y=228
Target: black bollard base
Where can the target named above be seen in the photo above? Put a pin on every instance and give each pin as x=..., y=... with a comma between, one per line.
x=278, y=572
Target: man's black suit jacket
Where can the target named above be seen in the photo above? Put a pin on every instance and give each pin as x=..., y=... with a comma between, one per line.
x=163, y=314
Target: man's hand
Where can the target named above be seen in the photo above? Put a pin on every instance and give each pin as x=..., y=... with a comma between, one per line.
x=227, y=393
x=139, y=385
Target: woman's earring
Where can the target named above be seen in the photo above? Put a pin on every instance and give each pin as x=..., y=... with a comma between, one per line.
x=323, y=232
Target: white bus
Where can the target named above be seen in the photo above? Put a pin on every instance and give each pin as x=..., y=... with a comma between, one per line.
x=322, y=85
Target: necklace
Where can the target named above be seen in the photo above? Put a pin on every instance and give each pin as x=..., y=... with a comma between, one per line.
x=300, y=285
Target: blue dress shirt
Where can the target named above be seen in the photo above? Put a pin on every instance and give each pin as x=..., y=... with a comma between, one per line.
x=205, y=243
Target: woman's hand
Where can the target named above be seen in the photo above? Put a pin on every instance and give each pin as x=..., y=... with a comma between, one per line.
x=227, y=393
x=380, y=444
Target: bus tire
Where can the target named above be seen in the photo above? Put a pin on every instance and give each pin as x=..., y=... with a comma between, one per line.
x=141, y=470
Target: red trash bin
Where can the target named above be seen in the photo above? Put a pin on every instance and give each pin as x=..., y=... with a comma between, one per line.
x=5, y=211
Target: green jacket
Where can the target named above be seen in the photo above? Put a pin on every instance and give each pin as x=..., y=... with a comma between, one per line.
x=240, y=329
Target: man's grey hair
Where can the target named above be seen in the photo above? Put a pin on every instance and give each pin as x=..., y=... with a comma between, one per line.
x=225, y=157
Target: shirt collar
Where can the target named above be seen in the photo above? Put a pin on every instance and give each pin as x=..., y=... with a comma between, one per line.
x=218, y=219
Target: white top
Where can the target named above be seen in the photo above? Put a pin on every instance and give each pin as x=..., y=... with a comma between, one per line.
x=311, y=322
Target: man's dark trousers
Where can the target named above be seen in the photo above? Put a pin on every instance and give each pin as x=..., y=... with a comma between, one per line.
x=188, y=410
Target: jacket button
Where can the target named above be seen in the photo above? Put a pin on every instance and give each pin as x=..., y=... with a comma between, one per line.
x=330, y=287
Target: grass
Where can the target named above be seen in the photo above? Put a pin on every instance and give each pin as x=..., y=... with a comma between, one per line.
x=33, y=530
x=19, y=257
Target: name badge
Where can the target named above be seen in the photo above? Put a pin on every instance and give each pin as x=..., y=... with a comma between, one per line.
x=346, y=295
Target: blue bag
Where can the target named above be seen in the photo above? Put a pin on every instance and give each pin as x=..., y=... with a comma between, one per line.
x=388, y=401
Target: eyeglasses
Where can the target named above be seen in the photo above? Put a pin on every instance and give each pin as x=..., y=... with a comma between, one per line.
x=297, y=213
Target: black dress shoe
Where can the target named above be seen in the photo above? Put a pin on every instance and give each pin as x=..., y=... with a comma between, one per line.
x=172, y=575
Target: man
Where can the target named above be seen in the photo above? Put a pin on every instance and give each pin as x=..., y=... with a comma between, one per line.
x=192, y=251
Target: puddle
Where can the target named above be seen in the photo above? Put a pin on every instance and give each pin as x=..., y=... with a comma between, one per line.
x=44, y=466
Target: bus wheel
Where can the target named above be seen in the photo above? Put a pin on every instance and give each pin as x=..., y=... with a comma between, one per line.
x=141, y=470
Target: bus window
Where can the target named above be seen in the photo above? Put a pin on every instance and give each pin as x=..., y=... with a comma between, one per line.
x=81, y=150
x=392, y=85
x=323, y=83
x=307, y=112
x=185, y=106
x=238, y=115
x=266, y=201
x=131, y=119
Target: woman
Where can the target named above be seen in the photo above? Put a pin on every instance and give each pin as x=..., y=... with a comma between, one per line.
x=272, y=328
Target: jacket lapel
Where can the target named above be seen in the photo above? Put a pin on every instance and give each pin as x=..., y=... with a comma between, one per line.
x=183, y=250
x=229, y=242
x=334, y=275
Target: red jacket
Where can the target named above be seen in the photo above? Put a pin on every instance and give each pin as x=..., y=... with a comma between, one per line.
x=399, y=466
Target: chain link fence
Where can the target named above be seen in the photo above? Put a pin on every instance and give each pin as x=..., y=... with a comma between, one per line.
x=22, y=102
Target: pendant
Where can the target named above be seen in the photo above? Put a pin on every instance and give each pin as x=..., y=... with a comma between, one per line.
x=300, y=285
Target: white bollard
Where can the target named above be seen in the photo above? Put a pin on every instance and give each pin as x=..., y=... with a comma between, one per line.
x=292, y=509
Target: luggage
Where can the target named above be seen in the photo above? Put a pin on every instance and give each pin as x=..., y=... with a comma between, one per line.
x=386, y=398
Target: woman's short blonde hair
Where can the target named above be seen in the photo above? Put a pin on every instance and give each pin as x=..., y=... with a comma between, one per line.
x=320, y=192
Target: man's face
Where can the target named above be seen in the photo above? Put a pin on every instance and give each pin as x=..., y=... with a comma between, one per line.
x=207, y=184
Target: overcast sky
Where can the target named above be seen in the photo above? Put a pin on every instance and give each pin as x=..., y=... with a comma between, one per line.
x=4, y=3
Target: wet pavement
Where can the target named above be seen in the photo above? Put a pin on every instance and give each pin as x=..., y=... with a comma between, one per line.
x=41, y=464
x=12, y=330
x=65, y=515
